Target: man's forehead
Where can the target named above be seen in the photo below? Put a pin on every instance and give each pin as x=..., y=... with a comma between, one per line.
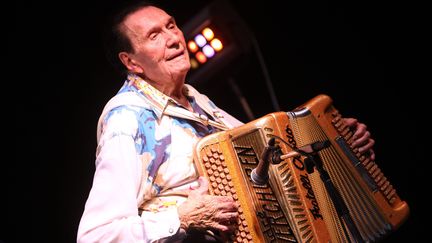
x=147, y=18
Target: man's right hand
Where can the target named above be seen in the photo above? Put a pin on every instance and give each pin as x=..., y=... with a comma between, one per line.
x=204, y=211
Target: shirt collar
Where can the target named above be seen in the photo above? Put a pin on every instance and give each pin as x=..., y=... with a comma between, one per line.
x=158, y=100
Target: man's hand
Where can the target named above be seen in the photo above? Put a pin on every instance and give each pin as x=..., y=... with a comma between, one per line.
x=204, y=211
x=362, y=137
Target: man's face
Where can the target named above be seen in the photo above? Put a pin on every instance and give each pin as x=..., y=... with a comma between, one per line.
x=160, y=47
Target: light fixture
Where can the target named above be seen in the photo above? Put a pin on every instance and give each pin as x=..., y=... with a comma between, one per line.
x=215, y=36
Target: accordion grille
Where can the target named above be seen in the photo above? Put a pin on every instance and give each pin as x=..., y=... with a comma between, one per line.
x=362, y=207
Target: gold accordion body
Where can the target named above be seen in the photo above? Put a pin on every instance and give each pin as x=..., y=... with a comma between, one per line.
x=295, y=205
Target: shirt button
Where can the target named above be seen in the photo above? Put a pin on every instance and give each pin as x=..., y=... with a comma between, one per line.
x=171, y=230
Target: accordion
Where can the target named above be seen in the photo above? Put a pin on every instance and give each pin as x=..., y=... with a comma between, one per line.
x=345, y=197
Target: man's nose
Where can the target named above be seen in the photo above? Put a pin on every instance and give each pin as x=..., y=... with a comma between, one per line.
x=173, y=38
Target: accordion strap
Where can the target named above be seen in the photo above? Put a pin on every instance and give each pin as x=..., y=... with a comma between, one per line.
x=186, y=114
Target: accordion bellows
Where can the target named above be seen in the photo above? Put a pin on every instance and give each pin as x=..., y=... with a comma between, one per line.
x=296, y=205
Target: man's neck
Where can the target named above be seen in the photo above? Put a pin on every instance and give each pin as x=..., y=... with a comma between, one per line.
x=175, y=91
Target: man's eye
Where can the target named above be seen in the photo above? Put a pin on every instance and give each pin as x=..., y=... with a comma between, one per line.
x=153, y=36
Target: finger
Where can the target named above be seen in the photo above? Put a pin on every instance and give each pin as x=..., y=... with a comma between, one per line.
x=221, y=204
x=221, y=227
x=361, y=140
x=372, y=154
x=224, y=226
x=229, y=205
x=225, y=199
x=351, y=122
x=360, y=130
x=367, y=146
x=233, y=227
x=232, y=224
x=228, y=218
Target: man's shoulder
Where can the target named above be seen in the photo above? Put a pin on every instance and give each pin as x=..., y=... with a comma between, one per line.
x=125, y=104
x=125, y=108
x=126, y=99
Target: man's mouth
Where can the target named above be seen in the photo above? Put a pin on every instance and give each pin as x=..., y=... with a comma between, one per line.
x=175, y=55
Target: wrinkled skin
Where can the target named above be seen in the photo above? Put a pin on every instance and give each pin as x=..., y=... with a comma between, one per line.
x=204, y=211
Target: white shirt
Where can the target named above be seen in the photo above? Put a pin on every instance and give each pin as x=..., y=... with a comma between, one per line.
x=145, y=159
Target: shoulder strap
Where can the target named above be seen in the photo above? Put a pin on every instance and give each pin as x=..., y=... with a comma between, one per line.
x=218, y=114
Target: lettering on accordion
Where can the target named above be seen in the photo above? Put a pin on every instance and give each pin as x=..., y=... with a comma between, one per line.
x=355, y=204
x=261, y=218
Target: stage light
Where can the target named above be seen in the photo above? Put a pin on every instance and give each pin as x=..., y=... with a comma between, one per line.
x=220, y=37
x=208, y=51
x=192, y=46
x=203, y=43
x=194, y=63
x=216, y=44
x=215, y=36
x=200, y=40
x=208, y=33
x=201, y=57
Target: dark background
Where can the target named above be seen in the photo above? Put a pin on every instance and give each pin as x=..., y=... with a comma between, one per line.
x=368, y=56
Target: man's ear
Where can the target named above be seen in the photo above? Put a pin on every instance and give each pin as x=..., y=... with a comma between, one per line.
x=130, y=63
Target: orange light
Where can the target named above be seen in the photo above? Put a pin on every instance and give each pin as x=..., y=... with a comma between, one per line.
x=194, y=63
x=208, y=33
x=192, y=46
x=216, y=44
x=201, y=57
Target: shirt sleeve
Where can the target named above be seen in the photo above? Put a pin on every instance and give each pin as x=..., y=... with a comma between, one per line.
x=111, y=209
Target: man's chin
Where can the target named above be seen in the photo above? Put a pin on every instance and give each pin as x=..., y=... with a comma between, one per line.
x=181, y=68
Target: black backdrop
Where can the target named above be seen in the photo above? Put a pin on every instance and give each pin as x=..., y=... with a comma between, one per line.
x=366, y=55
